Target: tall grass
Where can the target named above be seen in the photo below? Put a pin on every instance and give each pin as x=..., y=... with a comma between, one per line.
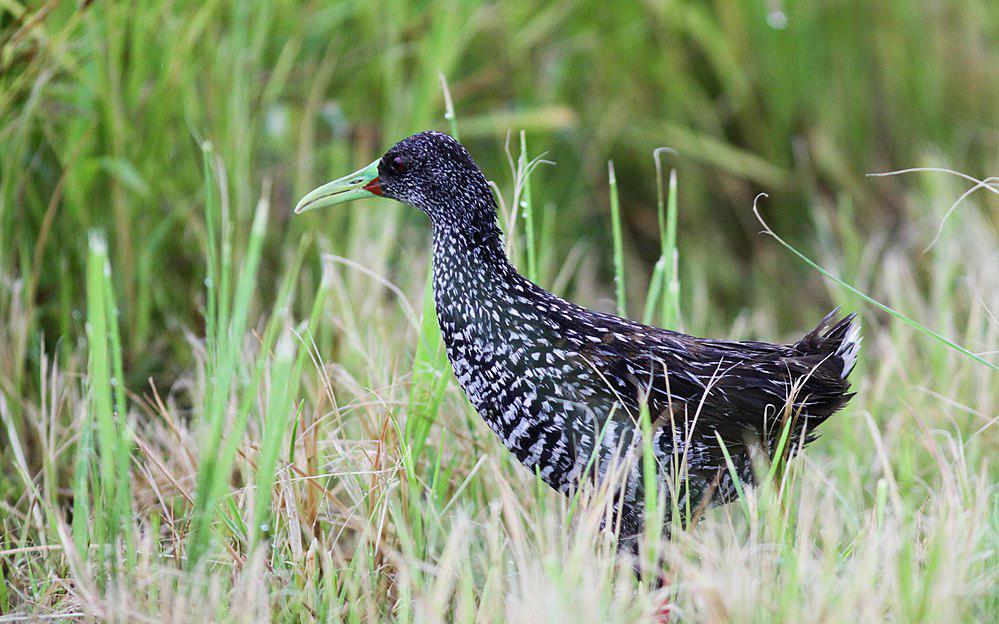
x=359, y=527
x=213, y=411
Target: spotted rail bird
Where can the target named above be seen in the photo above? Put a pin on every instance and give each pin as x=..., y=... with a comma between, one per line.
x=560, y=384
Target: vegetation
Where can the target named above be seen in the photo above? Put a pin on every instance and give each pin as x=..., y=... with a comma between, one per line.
x=212, y=411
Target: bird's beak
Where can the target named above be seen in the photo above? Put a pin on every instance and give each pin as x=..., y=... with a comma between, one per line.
x=360, y=184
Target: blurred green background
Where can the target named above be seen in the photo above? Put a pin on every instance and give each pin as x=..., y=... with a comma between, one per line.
x=103, y=104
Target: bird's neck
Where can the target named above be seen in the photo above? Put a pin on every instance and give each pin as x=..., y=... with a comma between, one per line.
x=470, y=258
x=476, y=290
x=473, y=279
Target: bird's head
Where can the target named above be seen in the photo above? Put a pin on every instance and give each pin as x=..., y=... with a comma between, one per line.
x=429, y=170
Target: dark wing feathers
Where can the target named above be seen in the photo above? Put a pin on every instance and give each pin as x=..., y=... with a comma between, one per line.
x=744, y=391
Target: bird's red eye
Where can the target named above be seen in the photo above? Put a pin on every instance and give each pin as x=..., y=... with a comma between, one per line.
x=396, y=165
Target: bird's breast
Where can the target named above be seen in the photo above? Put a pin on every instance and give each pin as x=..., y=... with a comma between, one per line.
x=523, y=385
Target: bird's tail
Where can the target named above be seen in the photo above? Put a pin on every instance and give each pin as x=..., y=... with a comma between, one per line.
x=837, y=342
x=825, y=357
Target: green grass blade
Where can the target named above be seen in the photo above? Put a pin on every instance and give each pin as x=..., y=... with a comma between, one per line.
x=113, y=488
x=734, y=474
x=527, y=209
x=619, y=281
x=653, y=294
x=211, y=253
x=667, y=215
x=279, y=406
x=449, y=114
x=81, y=486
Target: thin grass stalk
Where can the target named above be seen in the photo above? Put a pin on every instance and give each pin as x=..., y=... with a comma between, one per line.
x=449, y=114
x=4, y=595
x=653, y=297
x=527, y=208
x=671, y=301
x=619, y=281
x=114, y=456
x=81, y=484
x=669, y=256
x=651, y=473
x=734, y=475
x=275, y=424
x=871, y=300
x=124, y=453
x=211, y=254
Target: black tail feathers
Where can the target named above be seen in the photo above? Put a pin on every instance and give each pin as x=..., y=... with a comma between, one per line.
x=837, y=343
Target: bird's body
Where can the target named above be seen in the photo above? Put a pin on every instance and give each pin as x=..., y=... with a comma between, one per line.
x=556, y=381
x=563, y=387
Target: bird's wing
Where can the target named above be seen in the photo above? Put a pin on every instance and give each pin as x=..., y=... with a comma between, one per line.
x=743, y=392
x=698, y=390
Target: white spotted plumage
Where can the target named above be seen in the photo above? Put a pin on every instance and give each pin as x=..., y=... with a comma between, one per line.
x=559, y=384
